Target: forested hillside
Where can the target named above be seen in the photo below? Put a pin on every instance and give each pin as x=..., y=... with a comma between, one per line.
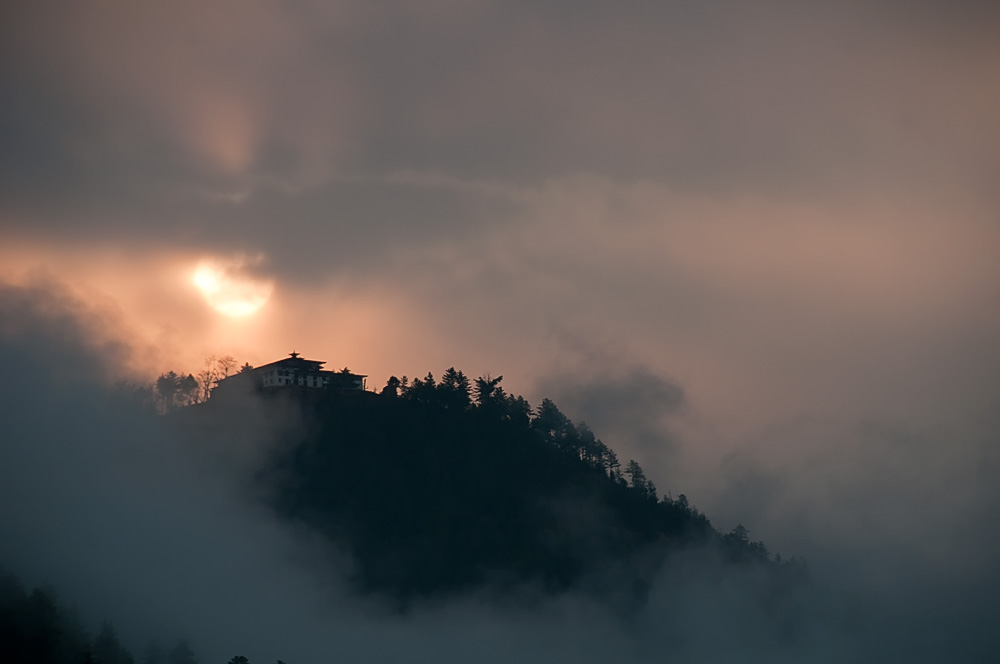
x=438, y=489
x=36, y=628
x=440, y=486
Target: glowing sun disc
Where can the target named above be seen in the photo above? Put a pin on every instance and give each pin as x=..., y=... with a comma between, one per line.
x=229, y=290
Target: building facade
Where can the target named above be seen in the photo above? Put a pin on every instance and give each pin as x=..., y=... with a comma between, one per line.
x=292, y=371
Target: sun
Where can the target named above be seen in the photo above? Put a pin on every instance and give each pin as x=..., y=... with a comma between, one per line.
x=229, y=288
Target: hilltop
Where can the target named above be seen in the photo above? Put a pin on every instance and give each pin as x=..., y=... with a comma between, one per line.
x=443, y=486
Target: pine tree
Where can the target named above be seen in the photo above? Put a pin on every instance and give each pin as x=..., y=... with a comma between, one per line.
x=181, y=653
x=108, y=649
x=636, y=477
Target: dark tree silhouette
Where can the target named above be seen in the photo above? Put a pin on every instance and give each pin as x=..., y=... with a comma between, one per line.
x=421, y=391
x=154, y=654
x=392, y=386
x=636, y=476
x=488, y=393
x=555, y=427
x=181, y=653
x=215, y=369
x=454, y=390
x=174, y=390
x=107, y=649
x=36, y=629
x=612, y=464
x=519, y=411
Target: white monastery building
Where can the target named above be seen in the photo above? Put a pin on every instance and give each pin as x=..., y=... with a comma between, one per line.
x=292, y=371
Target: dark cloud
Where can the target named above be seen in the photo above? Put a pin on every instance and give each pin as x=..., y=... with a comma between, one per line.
x=709, y=98
x=291, y=130
x=790, y=207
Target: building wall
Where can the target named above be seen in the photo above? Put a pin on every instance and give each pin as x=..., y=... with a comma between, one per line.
x=308, y=375
x=277, y=377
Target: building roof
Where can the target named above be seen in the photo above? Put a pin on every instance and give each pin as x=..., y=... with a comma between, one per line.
x=295, y=361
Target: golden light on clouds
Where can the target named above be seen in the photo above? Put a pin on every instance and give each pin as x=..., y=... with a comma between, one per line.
x=229, y=288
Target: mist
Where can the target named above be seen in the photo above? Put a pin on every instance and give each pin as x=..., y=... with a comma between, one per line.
x=168, y=539
x=752, y=247
x=895, y=511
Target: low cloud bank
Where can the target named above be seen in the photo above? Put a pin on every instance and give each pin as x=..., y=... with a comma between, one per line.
x=122, y=518
x=896, y=515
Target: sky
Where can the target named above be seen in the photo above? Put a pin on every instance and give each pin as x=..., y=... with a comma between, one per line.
x=753, y=245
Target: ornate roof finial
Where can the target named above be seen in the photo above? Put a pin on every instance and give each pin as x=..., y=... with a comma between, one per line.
x=294, y=354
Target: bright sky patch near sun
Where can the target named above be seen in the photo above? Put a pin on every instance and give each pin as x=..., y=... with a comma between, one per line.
x=229, y=288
